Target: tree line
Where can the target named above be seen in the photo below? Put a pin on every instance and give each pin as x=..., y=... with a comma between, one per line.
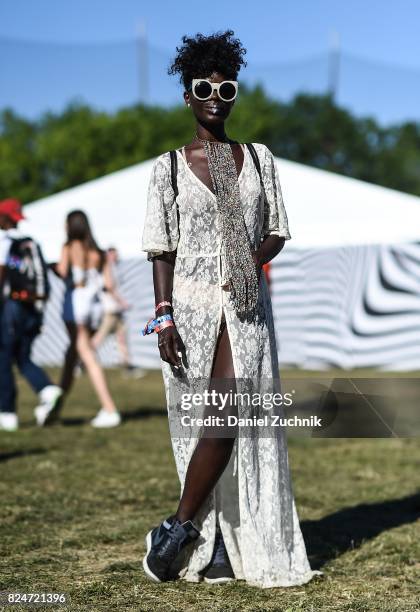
x=61, y=150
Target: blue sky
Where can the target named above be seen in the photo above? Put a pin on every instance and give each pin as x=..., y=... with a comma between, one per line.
x=94, y=56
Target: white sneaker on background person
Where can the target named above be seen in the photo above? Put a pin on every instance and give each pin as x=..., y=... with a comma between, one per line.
x=132, y=371
x=9, y=421
x=50, y=401
x=105, y=418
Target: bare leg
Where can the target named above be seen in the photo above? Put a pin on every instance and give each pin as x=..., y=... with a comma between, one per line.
x=211, y=455
x=103, y=331
x=94, y=369
x=121, y=336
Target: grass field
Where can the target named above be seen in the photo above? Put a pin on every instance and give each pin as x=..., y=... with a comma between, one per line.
x=77, y=502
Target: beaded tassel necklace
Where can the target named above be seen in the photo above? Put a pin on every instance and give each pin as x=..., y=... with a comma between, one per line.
x=236, y=245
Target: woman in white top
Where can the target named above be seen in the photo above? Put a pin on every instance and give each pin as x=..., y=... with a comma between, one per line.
x=84, y=268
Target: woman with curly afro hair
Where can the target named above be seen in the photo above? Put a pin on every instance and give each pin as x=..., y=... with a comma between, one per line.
x=215, y=216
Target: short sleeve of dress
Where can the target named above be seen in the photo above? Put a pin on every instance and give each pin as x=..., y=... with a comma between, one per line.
x=160, y=231
x=275, y=216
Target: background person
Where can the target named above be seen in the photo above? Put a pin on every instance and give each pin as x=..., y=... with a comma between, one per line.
x=86, y=272
x=24, y=290
x=267, y=271
x=112, y=322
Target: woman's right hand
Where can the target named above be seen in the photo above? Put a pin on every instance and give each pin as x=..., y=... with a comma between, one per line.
x=170, y=344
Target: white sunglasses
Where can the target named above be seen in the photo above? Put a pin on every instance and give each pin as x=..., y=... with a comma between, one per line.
x=203, y=89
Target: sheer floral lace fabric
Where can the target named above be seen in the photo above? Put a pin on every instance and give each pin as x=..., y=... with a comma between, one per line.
x=253, y=500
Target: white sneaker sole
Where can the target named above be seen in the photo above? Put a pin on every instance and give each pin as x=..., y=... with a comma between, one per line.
x=146, y=568
x=53, y=413
x=218, y=580
x=105, y=425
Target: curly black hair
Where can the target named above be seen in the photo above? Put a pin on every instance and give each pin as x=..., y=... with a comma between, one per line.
x=200, y=56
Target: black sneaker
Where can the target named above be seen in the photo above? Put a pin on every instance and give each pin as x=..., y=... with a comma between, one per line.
x=164, y=543
x=219, y=569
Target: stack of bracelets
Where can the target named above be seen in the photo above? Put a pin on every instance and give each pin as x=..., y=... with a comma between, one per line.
x=156, y=325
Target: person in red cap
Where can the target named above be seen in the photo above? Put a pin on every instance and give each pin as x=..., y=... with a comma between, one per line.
x=12, y=209
x=24, y=289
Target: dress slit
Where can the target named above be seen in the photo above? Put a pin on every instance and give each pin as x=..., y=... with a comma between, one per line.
x=221, y=326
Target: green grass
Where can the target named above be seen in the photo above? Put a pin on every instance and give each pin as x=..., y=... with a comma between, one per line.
x=77, y=502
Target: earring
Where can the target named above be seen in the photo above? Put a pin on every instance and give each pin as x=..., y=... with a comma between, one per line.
x=188, y=104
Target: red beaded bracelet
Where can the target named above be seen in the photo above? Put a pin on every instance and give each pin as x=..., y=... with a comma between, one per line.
x=166, y=303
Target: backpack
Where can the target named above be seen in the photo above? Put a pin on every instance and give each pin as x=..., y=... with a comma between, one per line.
x=174, y=166
x=26, y=271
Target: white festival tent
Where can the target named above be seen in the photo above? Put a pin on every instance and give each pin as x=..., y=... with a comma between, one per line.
x=324, y=210
x=345, y=289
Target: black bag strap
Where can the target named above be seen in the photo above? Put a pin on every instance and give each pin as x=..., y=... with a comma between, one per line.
x=254, y=156
x=174, y=171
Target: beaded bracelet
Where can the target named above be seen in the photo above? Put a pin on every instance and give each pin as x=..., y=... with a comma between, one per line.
x=168, y=323
x=152, y=324
x=165, y=303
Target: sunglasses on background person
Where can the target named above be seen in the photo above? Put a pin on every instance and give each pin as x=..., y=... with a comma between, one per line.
x=202, y=89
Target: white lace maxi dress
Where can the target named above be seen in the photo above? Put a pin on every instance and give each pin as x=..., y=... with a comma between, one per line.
x=253, y=499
